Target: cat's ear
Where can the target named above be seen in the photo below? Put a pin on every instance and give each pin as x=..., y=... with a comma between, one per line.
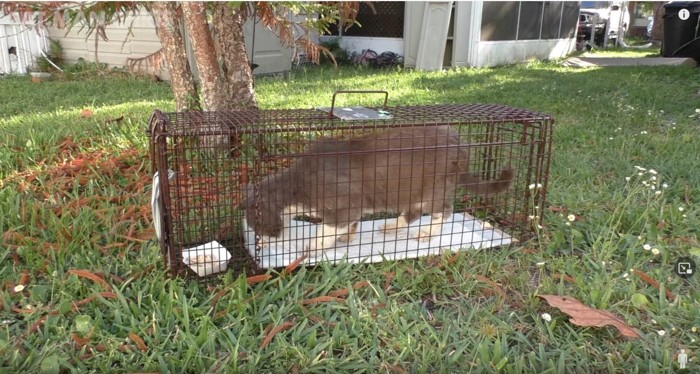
x=247, y=197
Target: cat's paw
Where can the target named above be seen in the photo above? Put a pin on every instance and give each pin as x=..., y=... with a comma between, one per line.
x=422, y=236
x=389, y=229
x=346, y=238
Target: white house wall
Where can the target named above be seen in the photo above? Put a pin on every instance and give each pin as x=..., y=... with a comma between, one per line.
x=134, y=38
x=516, y=51
x=29, y=42
x=142, y=40
x=467, y=47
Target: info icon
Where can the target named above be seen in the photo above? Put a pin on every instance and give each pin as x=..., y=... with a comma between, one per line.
x=685, y=267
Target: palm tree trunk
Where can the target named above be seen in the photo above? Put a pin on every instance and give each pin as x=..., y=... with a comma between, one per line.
x=214, y=91
x=181, y=79
x=229, y=42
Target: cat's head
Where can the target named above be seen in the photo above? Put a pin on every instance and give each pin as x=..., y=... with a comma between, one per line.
x=265, y=217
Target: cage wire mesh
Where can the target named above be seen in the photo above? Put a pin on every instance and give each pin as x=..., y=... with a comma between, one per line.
x=253, y=189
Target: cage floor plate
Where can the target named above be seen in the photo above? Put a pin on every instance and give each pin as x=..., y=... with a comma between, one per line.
x=459, y=232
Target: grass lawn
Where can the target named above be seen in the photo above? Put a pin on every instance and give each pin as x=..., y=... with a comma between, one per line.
x=83, y=287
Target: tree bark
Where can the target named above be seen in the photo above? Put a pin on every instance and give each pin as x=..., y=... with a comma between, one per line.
x=230, y=44
x=214, y=91
x=181, y=79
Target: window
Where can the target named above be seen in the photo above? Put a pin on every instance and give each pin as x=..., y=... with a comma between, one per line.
x=387, y=22
x=528, y=20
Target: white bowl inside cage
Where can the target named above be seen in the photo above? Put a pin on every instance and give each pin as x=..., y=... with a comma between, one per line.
x=206, y=259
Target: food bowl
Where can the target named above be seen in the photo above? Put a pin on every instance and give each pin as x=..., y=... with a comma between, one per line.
x=206, y=259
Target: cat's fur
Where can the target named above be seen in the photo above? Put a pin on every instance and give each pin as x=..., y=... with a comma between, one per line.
x=410, y=170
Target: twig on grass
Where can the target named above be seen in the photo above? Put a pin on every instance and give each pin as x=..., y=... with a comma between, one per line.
x=647, y=278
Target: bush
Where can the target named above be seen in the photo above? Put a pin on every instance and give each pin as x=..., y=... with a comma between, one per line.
x=53, y=55
x=341, y=55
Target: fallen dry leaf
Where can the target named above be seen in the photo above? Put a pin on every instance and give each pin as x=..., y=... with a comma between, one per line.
x=293, y=266
x=274, y=331
x=322, y=299
x=494, y=286
x=584, y=315
x=92, y=276
x=258, y=278
x=25, y=278
x=80, y=341
x=565, y=277
x=389, y=278
x=346, y=291
x=139, y=341
x=647, y=278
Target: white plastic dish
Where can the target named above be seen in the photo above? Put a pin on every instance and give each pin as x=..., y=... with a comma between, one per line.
x=206, y=259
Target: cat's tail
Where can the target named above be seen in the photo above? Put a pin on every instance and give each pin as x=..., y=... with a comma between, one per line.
x=477, y=186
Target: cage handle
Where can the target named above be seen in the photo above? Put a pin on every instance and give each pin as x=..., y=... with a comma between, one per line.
x=386, y=97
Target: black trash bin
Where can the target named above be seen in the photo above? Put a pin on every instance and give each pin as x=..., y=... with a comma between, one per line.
x=681, y=37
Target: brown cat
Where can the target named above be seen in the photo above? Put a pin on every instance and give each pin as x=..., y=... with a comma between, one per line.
x=408, y=170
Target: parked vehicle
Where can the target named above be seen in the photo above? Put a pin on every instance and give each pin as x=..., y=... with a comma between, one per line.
x=586, y=20
x=612, y=16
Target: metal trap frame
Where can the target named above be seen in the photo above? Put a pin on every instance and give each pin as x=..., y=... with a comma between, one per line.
x=208, y=165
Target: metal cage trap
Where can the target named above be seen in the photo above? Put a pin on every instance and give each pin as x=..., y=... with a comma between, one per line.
x=259, y=189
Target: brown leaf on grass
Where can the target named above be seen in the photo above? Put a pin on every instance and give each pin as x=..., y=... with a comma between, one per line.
x=12, y=236
x=86, y=113
x=145, y=270
x=126, y=348
x=565, y=277
x=493, y=284
x=258, y=278
x=25, y=278
x=393, y=368
x=133, y=239
x=274, y=331
x=322, y=299
x=15, y=257
x=452, y=259
x=389, y=278
x=373, y=311
x=556, y=209
x=530, y=251
x=647, y=278
x=584, y=315
x=138, y=341
x=92, y=276
x=106, y=295
x=661, y=225
x=35, y=326
x=217, y=297
x=293, y=266
x=345, y=291
x=80, y=341
x=25, y=310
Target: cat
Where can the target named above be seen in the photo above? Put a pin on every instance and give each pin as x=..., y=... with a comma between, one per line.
x=406, y=170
